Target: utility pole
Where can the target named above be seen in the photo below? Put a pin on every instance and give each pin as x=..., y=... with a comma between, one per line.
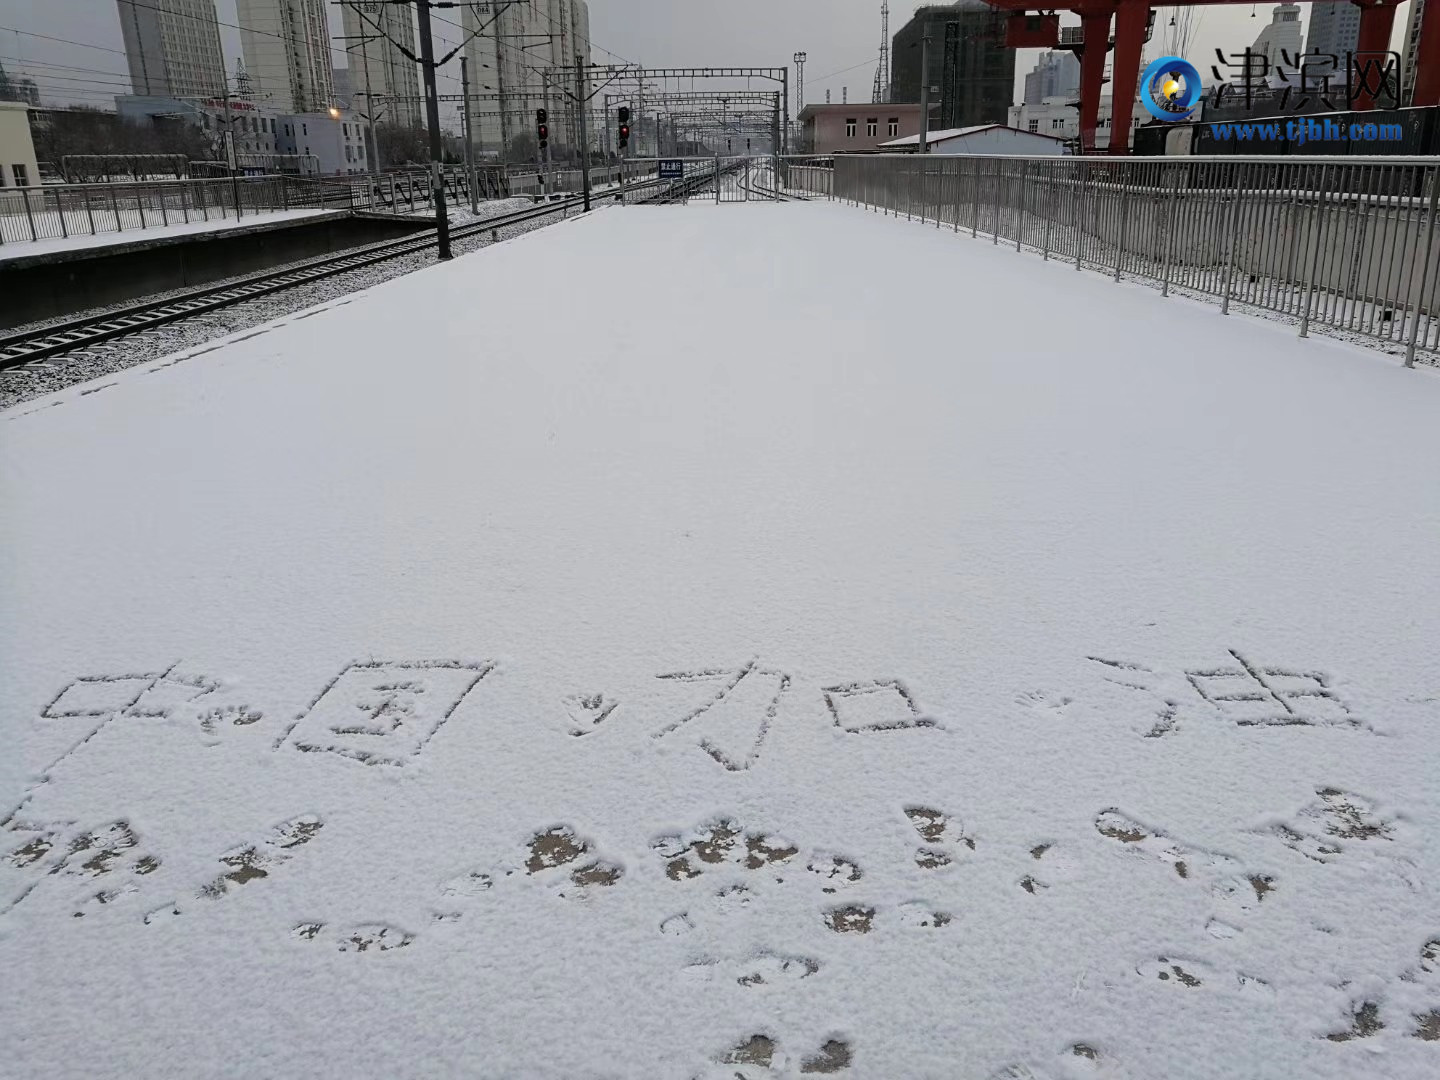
x=469, y=133
x=432, y=114
x=581, y=101
x=785, y=131
x=500, y=89
x=800, y=59
x=370, y=103
x=545, y=162
x=925, y=94
x=231, y=155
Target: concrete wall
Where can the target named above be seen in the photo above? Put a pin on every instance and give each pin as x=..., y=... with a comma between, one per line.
x=16, y=146
x=63, y=283
x=825, y=126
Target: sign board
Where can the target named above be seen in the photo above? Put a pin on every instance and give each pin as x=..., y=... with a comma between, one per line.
x=230, y=151
x=672, y=170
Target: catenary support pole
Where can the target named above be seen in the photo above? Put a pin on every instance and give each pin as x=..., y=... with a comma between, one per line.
x=432, y=115
x=231, y=155
x=582, y=103
x=370, y=105
x=469, y=134
x=500, y=87
x=923, y=147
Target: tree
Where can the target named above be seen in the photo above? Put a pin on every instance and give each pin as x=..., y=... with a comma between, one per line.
x=61, y=133
x=523, y=148
x=402, y=145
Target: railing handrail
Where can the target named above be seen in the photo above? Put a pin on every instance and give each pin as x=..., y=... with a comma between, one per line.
x=1170, y=159
x=1348, y=243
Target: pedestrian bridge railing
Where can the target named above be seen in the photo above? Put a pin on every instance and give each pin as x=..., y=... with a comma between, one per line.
x=1348, y=244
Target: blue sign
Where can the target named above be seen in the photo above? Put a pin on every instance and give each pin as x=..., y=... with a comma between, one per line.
x=672, y=170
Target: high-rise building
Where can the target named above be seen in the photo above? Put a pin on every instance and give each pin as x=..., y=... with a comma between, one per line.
x=514, y=54
x=340, y=79
x=1276, y=47
x=1056, y=74
x=375, y=35
x=287, y=53
x=20, y=89
x=971, y=73
x=1412, y=45
x=172, y=47
x=1334, y=31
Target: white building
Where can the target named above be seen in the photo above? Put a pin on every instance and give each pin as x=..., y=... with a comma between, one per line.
x=336, y=141
x=17, y=149
x=982, y=139
x=172, y=47
x=1279, y=44
x=1334, y=31
x=1057, y=116
x=529, y=44
x=374, y=35
x=254, y=127
x=1056, y=73
x=287, y=53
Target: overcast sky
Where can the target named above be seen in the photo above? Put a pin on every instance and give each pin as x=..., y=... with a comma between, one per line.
x=841, y=38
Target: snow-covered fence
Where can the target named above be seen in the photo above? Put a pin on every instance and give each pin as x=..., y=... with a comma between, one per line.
x=1351, y=243
x=63, y=210
x=812, y=174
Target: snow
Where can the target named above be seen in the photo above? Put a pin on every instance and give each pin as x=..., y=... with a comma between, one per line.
x=219, y=222
x=869, y=651
x=20, y=384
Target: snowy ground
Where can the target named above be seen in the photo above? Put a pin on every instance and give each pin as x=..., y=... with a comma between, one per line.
x=793, y=678
x=219, y=220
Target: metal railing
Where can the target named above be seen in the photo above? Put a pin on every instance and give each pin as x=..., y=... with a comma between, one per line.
x=527, y=180
x=64, y=210
x=408, y=191
x=1347, y=244
x=809, y=173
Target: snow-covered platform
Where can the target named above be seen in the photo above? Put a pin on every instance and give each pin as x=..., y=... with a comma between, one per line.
x=710, y=641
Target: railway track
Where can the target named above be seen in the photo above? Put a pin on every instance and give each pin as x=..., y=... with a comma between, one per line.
x=754, y=186
x=28, y=347
x=692, y=186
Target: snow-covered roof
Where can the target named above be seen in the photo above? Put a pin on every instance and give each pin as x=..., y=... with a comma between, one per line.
x=947, y=134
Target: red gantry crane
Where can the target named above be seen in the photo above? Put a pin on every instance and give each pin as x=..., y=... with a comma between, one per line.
x=1029, y=29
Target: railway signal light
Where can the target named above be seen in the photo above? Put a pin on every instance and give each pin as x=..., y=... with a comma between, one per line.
x=624, y=127
x=542, y=128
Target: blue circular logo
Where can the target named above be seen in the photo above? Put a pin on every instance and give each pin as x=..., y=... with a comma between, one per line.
x=1170, y=88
